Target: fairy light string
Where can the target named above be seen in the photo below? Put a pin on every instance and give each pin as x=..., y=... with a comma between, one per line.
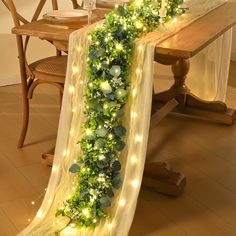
x=97, y=171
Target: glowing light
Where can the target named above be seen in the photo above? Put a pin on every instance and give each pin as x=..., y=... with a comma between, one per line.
x=122, y=202
x=110, y=136
x=119, y=46
x=33, y=203
x=73, y=110
x=70, y=231
x=138, y=138
x=71, y=131
x=88, y=131
x=101, y=157
x=138, y=24
x=29, y=220
x=175, y=20
x=66, y=153
x=105, y=106
x=94, y=220
x=138, y=71
x=110, y=226
x=135, y=183
x=71, y=89
x=54, y=169
x=140, y=47
x=39, y=214
x=138, y=3
x=134, y=159
x=105, y=85
x=85, y=212
x=75, y=69
x=133, y=114
x=134, y=92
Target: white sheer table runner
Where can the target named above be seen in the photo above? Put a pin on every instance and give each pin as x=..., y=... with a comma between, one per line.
x=137, y=118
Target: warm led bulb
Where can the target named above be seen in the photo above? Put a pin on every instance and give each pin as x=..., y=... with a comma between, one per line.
x=122, y=202
x=134, y=159
x=85, y=212
x=135, y=183
x=138, y=24
x=119, y=46
x=75, y=69
x=138, y=71
x=134, y=114
x=71, y=89
x=101, y=157
x=88, y=131
x=39, y=213
x=138, y=138
x=134, y=92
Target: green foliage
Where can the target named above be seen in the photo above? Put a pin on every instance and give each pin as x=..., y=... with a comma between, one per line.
x=110, y=57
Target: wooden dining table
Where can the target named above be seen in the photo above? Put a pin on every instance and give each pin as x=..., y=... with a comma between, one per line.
x=174, y=51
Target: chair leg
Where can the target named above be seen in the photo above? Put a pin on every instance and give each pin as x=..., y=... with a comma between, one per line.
x=25, y=118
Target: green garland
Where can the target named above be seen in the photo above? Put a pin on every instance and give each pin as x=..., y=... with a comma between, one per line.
x=110, y=56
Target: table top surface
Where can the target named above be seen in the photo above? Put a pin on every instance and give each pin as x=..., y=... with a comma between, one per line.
x=193, y=38
x=184, y=44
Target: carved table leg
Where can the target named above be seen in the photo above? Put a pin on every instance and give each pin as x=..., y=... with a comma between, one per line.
x=157, y=175
x=189, y=104
x=161, y=177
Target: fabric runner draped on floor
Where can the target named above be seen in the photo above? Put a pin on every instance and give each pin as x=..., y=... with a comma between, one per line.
x=137, y=118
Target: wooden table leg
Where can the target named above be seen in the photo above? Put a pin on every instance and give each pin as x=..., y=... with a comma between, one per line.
x=189, y=104
x=48, y=156
x=163, y=179
x=159, y=175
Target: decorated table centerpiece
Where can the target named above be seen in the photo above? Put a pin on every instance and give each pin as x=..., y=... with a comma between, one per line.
x=97, y=170
x=104, y=122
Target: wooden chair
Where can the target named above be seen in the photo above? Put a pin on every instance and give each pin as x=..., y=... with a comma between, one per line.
x=50, y=70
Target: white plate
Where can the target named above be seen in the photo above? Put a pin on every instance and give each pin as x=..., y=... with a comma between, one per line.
x=113, y=2
x=66, y=14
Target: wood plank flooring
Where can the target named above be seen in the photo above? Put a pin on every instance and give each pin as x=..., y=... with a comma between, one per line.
x=204, y=151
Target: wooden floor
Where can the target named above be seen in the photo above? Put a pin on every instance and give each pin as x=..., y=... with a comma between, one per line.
x=204, y=151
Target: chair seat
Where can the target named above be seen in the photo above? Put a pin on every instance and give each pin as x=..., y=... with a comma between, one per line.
x=50, y=67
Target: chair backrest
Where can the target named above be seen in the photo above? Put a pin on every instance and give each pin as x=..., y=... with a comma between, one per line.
x=19, y=20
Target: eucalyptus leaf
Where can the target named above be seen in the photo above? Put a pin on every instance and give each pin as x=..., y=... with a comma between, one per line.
x=74, y=168
x=120, y=145
x=110, y=193
x=115, y=71
x=120, y=131
x=105, y=201
x=116, y=166
x=116, y=181
x=102, y=132
x=120, y=113
x=83, y=193
x=100, y=143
